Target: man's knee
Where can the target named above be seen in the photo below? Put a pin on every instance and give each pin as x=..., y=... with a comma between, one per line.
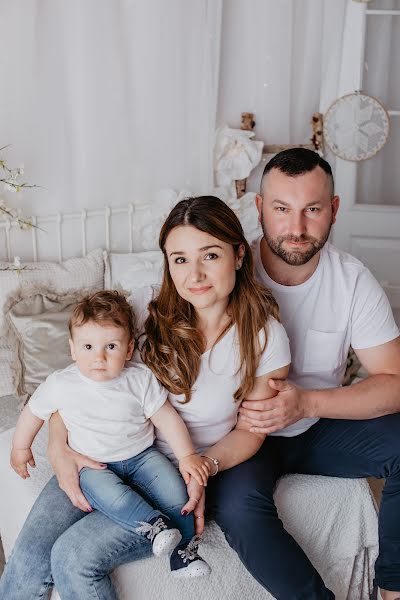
x=252, y=502
x=388, y=440
x=243, y=505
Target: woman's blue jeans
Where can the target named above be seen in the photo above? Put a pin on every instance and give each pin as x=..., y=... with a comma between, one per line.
x=137, y=490
x=75, y=551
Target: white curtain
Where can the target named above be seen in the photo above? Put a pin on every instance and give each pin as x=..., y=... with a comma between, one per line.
x=279, y=60
x=108, y=101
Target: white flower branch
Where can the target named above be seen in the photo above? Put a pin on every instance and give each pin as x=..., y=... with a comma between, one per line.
x=16, y=267
x=12, y=183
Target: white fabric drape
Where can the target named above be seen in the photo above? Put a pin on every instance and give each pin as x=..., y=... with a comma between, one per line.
x=279, y=60
x=109, y=101
x=106, y=101
x=270, y=61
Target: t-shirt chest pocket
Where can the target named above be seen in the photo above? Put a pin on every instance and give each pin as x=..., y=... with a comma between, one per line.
x=323, y=351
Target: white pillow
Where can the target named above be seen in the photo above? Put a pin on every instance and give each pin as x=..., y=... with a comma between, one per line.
x=70, y=275
x=133, y=271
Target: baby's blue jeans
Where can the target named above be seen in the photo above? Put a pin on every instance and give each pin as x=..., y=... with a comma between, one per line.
x=137, y=490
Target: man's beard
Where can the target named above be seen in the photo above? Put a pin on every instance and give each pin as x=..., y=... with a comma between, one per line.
x=295, y=257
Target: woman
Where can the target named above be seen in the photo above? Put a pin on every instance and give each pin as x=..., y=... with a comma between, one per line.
x=212, y=339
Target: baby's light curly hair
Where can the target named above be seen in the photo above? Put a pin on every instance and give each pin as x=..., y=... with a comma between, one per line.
x=105, y=306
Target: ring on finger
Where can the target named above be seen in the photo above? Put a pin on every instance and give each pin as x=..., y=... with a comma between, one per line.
x=200, y=517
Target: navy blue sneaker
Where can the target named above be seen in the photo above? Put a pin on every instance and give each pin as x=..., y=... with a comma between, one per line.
x=162, y=533
x=186, y=563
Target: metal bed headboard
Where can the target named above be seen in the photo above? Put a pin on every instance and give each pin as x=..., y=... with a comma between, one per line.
x=15, y=242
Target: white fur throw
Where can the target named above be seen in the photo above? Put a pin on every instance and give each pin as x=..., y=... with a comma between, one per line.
x=333, y=519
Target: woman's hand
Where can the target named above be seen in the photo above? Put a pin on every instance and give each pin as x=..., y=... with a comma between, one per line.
x=66, y=464
x=196, y=503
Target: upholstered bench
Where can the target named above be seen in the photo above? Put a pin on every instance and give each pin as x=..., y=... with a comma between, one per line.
x=334, y=520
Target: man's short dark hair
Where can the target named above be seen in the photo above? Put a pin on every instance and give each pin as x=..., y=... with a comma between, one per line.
x=296, y=161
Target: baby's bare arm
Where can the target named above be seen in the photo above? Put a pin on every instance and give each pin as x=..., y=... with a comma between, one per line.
x=172, y=426
x=25, y=432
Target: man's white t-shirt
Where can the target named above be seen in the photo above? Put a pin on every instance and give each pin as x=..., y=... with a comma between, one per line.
x=340, y=305
x=107, y=421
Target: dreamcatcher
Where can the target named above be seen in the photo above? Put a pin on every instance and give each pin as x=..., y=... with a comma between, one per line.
x=356, y=127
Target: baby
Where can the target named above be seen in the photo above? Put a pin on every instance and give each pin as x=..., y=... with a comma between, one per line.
x=110, y=412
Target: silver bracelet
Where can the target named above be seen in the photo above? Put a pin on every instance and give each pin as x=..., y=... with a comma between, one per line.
x=214, y=461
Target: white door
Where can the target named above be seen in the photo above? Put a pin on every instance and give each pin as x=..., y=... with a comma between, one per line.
x=368, y=223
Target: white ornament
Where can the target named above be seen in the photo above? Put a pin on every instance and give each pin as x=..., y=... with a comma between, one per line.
x=236, y=154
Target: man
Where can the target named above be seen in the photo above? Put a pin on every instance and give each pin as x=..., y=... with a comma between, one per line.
x=328, y=301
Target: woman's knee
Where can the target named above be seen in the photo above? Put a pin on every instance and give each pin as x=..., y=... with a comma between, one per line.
x=27, y=574
x=72, y=568
x=63, y=558
x=71, y=554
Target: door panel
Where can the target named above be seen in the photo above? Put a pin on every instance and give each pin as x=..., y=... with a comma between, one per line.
x=368, y=224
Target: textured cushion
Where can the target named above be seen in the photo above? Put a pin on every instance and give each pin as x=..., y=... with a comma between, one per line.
x=133, y=271
x=40, y=322
x=9, y=413
x=72, y=274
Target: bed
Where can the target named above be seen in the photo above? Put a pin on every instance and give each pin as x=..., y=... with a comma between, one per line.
x=334, y=520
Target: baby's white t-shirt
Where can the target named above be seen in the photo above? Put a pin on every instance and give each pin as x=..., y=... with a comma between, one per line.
x=107, y=421
x=340, y=305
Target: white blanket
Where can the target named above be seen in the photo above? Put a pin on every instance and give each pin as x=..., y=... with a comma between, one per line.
x=334, y=520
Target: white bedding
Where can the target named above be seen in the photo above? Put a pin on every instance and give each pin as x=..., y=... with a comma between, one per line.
x=334, y=520
x=9, y=411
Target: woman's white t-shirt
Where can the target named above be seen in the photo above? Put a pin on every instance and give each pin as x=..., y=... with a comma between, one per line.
x=212, y=411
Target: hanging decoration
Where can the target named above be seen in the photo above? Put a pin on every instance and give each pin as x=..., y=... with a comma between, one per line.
x=356, y=127
x=236, y=155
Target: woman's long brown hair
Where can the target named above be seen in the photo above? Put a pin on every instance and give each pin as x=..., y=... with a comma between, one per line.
x=173, y=344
